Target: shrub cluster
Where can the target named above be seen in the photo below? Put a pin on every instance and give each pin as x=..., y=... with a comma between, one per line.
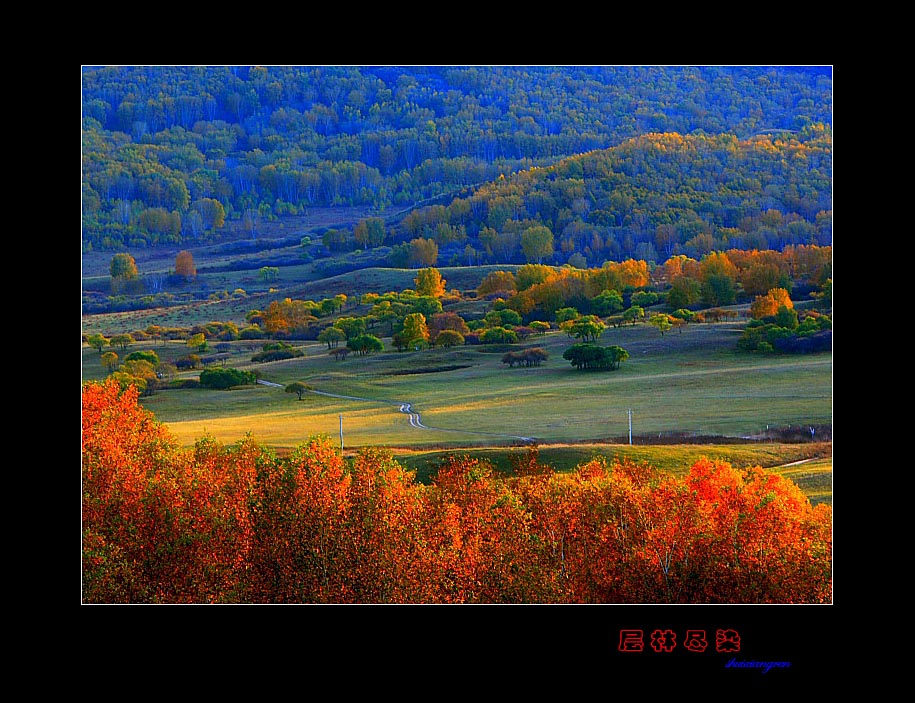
x=225, y=378
x=276, y=351
x=529, y=357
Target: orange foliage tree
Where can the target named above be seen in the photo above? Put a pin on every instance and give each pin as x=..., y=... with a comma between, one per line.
x=216, y=524
x=769, y=304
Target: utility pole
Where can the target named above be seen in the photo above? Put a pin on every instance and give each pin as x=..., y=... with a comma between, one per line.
x=630, y=427
x=341, y=434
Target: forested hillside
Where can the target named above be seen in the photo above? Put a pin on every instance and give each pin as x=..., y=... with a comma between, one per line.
x=171, y=154
x=650, y=198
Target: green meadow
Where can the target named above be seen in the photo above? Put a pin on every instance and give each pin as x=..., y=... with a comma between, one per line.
x=692, y=387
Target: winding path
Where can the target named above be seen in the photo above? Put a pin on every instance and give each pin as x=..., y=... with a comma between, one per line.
x=407, y=409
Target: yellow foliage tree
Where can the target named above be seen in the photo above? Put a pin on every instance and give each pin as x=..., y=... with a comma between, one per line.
x=767, y=305
x=429, y=282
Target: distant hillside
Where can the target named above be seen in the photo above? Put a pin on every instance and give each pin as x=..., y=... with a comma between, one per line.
x=175, y=154
x=650, y=198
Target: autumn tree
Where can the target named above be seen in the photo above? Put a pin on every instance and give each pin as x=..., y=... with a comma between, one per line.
x=122, y=341
x=141, y=369
x=448, y=338
x=184, y=265
x=123, y=267
x=423, y=252
x=769, y=304
x=429, y=282
x=442, y=321
x=497, y=282
x=110, y=359
x=98, y=342
x=211, y=212
x=369, y=232
x=197, y=341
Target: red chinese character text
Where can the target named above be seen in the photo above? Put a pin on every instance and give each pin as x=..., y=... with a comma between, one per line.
x=727, y=641
x=631, y=641
x=663, y=640
x=695, y=641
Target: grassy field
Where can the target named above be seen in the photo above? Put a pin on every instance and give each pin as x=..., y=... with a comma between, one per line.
x=693, y=384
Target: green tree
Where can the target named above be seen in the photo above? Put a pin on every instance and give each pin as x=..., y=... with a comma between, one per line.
x=415, y=330
x=608, y=302
x=786, y=317
x=427, y=305
x=661, y=321
x=684, y=291
x=125, y=380
x=148, y=355
x=592, y=356
x=537, y=243
x=365, y=344
x=332, y=336
x=352, y=327
x=225, y=378
x=566, y=315
x=633, y=314
x=110, y=359
x=122, y=341
x=334, y=240
x=719, y=289
x=98, y=342
x=300, y=389
x=499, y=335
x=587, y=328
x=269, y=273
x=449, y=338
x=502, y=318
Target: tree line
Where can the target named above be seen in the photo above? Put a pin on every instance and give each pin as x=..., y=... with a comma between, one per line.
x=239, y=524
x=173, y=153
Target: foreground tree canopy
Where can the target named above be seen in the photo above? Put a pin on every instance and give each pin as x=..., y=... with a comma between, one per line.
x=217, y=524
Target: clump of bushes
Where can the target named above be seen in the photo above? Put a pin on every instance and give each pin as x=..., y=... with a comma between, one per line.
x=529, y=357
x=225, y=378
x=783, y=333
x=276, y=351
